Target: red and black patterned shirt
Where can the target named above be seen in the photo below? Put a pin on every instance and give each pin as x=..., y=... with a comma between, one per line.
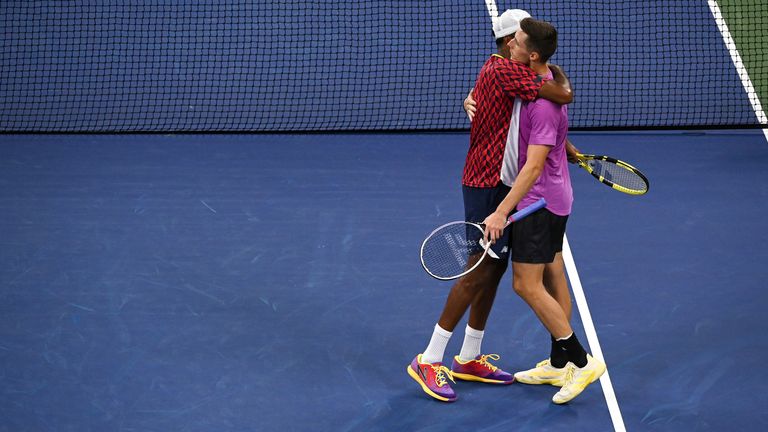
x=498, y=83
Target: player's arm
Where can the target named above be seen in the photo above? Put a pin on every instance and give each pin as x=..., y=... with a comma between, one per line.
x=558, y=74
x=556, y=92
x=534, y=165
x=571, y=151
x=519, y=80
x=470, y=106
x=557, y=95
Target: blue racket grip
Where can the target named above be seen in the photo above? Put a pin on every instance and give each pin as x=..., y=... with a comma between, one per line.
x=541, y=203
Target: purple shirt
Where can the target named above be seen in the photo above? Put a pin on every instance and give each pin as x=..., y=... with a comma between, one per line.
x=546, y=123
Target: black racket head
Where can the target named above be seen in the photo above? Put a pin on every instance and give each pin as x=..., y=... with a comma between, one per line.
x=453, y=250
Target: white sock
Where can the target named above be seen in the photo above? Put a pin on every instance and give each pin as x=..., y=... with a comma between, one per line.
x=436, y=349
x=472, y=341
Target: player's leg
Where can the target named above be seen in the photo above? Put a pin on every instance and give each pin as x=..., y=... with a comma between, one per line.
x=481, y=306
x=556, y=283
x=532, y=250
x=557, y=286
x=479, y=311
x=583, y=368
x=528, y=284
x=536, y=242
x=477, y=289
x=479, y=285
x=471, y=364
x=498, y=255
x=553, y=369
x=427, y=368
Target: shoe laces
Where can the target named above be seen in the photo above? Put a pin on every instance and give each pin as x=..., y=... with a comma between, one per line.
x=543, y=363
x=484, y=361
x=569, y=375
x=440, y=373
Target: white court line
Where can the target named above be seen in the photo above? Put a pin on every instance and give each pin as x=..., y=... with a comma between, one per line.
x=492, y=10
x=589, y=329
x=736, y=58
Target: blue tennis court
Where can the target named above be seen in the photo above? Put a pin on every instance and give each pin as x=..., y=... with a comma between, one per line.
x=211, y=213
x=272, y=282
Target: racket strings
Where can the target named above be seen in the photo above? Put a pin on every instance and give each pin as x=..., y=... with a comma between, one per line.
x=618, y=175
x=448, y=251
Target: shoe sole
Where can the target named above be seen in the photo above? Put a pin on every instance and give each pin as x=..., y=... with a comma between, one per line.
x=552, y=383
x=424, y=387
x=468, y=377
x=556, y=383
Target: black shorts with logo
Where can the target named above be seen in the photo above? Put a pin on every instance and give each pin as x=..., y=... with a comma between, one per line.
x=537, y=238
x=479, y=203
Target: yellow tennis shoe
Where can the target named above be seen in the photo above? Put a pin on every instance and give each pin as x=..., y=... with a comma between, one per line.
x=543, y=373
x=577, y=379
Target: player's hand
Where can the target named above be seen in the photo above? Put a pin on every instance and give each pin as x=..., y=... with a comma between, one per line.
x=494, y=226
x=470, y=106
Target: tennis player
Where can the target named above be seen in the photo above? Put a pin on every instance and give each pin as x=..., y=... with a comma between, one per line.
x=499, y=81
x=537, y=241
x=551, y=370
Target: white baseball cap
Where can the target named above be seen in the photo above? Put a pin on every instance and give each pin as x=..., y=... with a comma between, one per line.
x=508, y=22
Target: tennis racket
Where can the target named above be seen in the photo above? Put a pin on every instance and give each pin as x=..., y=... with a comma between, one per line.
x=456, y=248
x=617, y=174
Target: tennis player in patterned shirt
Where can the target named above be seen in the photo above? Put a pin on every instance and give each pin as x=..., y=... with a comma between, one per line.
x=500, y=80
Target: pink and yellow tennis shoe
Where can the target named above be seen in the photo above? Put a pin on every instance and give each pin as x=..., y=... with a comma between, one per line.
x=480, y=369
x=432, y=379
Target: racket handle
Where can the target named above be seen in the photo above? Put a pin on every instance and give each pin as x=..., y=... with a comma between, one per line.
x=541, y=203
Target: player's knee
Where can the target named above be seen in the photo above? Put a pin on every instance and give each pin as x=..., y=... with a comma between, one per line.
x=526, y=287
x=521, y=288
x=474, y=287
x=467, y=288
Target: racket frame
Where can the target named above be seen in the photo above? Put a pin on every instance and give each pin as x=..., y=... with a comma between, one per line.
x=541, y=203
x=424, y=243
x=582, y=158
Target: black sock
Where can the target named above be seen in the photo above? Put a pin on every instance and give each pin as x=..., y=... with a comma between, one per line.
x=557, y=355
x=574, y=351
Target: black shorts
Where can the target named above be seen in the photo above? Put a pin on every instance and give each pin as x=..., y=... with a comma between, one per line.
x=537, y=238
x=479, y=203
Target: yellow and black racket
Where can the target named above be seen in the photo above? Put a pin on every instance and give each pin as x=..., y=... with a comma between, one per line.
x=617, y=174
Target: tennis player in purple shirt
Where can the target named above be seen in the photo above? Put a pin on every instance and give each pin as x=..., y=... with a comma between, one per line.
x=546, y=123
x=537, y=241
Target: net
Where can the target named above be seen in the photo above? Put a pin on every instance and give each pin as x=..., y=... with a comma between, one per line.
x=233, y=65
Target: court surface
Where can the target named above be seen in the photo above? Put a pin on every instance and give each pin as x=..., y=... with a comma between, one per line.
x=272, y=283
